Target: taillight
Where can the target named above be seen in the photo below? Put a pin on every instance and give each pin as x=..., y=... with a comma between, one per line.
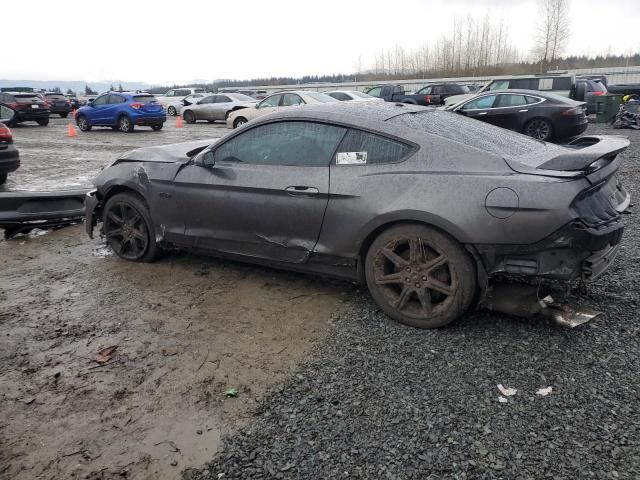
x=5, y=133
x=15, y=106
x=46, y=104
x=572, y=111
x=597, y=93
x=136, y=105
x=428, y=99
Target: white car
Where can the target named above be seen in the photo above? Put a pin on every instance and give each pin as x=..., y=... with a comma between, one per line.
x=174, y=108
x=352, y=95
x=177, y=95
x=296, y=98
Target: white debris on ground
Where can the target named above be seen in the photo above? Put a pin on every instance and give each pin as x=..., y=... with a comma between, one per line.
x=502, y=399
x=102, y=251
x=543, y=392
x=507, y=392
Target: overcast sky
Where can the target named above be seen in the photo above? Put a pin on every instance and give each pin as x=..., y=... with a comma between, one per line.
x=179, y=41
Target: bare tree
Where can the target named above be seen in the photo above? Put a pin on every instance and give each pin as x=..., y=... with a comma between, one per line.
x=554, y=29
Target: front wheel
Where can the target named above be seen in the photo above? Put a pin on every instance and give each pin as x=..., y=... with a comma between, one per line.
x=238, y=122
x=540, y=129
x=43, y=123
x=189, y=116
x=125, y=124
x=157, y=127
x=128, y=228
x=83, y=123
x=172, y=111
x=419, y=276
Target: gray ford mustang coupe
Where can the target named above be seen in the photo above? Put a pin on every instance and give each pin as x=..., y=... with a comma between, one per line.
x=423, y=205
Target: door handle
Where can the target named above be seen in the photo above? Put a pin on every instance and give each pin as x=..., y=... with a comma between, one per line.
x=301, y=190
x=522, y=111
x=482, y=113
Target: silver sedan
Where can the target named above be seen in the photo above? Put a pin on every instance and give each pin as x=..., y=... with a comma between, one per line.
x=216, y=107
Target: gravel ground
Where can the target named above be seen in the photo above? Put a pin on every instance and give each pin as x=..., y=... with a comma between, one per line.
x=377, y=400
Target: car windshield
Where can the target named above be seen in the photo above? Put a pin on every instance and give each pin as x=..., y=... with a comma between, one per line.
x=321, y=97
x=360, y=94
x=144, y=99
x=26, y=97
x=242, y=98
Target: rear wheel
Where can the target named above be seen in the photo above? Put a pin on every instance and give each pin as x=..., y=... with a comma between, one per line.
x=83, y=123
x=540, y=129
x=172, y=111
x=43, y=122
x=127, y=226
x=238, y=122
x=157, y=127
x=125, y=124
x=3, y=178
x=189, y=117
x=419, y=276
x=64, y=115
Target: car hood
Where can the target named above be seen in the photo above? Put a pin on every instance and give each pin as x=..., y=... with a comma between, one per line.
x=176, y=152
x=453, y=99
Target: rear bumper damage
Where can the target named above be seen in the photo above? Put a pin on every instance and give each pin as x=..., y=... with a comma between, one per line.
x=573, y=252
x=21, y=212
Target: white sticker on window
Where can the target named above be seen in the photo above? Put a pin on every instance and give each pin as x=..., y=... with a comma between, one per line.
x=351, y=158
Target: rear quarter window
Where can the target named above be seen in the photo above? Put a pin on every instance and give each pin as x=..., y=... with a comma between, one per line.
x=371, y=149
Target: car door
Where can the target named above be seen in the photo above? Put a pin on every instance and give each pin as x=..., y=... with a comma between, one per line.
x=479, y=108
x=203, y=108
x=221, y=106
x=98, y=109
x=269, y=104
x=112, y=109
x=261, y=193
x=510, y=111
x=292, y=100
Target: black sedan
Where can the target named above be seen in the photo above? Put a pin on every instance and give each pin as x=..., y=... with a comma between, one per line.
x=543, y=116
x=423, y=205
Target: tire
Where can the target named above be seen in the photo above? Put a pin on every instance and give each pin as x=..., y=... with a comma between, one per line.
x=420, y=276
x=172, y=111
x=238, y=122
x=189, y=117
x=43, y=123
x=540, y=129
x=128, y=228
x=83, y=123
x=3, y=178
x=125, y=124
x=157, y=127
x=64, y=115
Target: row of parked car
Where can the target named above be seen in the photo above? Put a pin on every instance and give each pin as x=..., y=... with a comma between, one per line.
x=38, y=107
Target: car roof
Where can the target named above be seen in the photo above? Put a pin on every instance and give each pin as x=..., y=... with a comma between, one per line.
x=520, y=91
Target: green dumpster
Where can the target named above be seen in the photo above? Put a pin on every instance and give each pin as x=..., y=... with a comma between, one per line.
x=607, y=107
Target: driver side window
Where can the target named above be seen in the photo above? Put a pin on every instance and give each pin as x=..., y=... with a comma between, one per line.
x=101, y=100
x=272, y=101
x=375, y=92
x=283, y=143
x=480, y=103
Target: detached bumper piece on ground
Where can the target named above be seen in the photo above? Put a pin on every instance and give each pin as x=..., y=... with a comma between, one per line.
x=21, y=212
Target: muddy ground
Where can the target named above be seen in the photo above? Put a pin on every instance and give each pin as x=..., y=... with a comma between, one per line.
x=186, y=328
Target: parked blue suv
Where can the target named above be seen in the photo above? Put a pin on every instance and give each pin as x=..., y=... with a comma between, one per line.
x=122, y=111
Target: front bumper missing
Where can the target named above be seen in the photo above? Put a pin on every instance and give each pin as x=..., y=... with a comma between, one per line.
x=23, y=211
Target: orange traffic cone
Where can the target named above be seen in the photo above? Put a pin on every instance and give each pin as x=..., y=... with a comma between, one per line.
x=72, y=131
x=179, y=122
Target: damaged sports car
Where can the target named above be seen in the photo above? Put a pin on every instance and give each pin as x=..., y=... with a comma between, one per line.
x=422, y=205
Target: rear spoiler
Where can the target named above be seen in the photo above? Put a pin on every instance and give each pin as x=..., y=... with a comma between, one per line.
x=580, y=157
x=585, y=152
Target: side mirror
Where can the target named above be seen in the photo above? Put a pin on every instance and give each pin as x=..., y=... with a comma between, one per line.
x=6, y=113
x=206, y=159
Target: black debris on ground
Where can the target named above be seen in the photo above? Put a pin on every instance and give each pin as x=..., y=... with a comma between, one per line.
x=378, y=400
